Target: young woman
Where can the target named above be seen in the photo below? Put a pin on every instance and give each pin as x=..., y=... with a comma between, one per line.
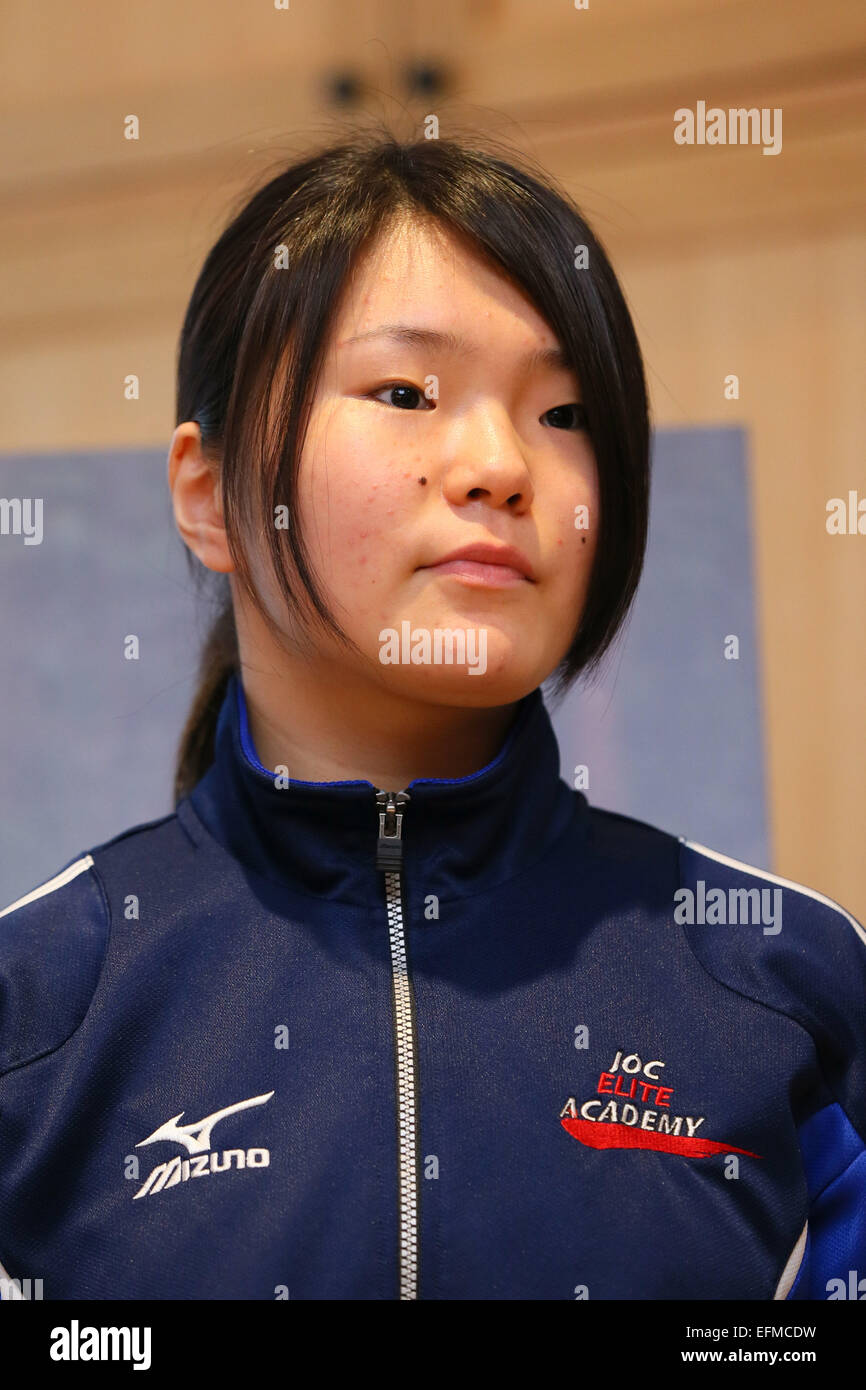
x=384, y=1009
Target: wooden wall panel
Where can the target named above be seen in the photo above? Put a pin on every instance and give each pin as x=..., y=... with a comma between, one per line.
x=732, y=261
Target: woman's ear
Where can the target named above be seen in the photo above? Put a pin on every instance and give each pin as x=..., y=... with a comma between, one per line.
x=194, y=482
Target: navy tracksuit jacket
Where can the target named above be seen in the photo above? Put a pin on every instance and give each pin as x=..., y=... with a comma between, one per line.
x=478, y=1040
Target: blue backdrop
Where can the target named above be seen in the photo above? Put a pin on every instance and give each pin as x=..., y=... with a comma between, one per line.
x=671, y=734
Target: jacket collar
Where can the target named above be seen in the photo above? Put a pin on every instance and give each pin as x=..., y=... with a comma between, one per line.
x=460, y=835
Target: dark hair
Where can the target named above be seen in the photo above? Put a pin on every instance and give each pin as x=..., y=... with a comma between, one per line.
x=248, y=319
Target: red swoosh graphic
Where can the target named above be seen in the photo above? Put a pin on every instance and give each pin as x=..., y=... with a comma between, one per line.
x=616, y=1136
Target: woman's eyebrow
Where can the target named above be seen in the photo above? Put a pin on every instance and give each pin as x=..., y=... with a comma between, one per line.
x=445, y=341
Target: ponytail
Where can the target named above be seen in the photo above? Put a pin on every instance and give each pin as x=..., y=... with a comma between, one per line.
x=219, y=660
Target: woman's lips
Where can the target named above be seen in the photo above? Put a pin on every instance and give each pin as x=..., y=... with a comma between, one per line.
x=479, y=575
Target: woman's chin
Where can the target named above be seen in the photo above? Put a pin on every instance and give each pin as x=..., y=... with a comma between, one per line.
x=471, y=686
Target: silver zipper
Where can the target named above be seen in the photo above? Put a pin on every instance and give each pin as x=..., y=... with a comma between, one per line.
x=389, y=858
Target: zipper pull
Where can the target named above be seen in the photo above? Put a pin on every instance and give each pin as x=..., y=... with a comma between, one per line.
x=389, y=848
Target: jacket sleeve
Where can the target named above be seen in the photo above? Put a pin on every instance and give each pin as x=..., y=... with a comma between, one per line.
x=52, y=945
x=808, y=961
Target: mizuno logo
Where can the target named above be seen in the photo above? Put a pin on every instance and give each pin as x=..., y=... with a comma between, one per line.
x=196, y=1139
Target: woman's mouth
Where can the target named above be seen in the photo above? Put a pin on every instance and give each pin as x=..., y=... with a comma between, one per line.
x=485, y=565
x=480, y=575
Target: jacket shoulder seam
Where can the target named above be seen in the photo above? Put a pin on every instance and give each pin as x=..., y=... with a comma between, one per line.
x=850, y=1164
x=837, y=1176
x=807, y=892
x=140, y=829
x=49, y=1051
x=742, y=994
x=60, y=880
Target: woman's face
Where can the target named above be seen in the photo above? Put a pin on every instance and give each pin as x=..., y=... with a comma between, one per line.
x=421, y=444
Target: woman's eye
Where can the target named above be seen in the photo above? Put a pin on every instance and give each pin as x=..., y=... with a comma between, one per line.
x=570, y=417
x=403, y=396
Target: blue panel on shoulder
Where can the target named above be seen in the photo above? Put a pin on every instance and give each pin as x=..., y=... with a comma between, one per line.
x=834, y=1161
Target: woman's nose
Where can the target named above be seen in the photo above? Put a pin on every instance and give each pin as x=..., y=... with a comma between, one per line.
x=486, y=461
